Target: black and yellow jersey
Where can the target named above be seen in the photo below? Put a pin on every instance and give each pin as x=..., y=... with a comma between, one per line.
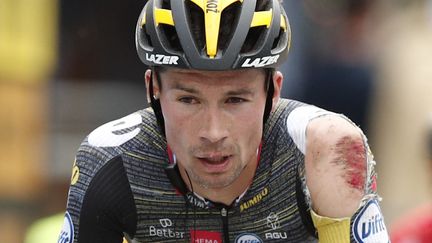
x=120, y=188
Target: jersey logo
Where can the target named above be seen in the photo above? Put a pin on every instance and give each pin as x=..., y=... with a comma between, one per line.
x=255, y=200
x=67, y=232
x=273, y=222
x=166, y=230
x=162, y=59
x=201, y=236
x=105, y=135
x=260, y=61
x=248, y=238
x=369, y=225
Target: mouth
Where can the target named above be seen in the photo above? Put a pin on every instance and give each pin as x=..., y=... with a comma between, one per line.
x=215, y=163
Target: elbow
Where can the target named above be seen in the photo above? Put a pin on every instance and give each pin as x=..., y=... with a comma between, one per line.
x=336, y=169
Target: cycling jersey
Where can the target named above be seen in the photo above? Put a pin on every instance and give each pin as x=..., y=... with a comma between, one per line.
x=120, y=187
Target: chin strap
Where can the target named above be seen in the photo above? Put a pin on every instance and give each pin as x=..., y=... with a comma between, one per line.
x=155, y=103
x=270, y=93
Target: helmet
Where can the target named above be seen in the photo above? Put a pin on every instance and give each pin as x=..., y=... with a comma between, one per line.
x=213, y=34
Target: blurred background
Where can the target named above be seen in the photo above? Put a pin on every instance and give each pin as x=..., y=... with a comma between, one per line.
x=67, y=67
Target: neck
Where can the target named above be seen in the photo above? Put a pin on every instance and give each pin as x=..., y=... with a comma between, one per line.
x=228, y=194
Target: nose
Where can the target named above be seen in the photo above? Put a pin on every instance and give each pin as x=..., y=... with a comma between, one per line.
x=213, y=126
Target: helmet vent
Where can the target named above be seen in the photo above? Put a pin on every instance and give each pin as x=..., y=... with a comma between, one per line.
x=255, y=35
x=229, y=19
x=278, y=42
x=254, y=39
x=196, y=22
x=146, y=39
x=166, y=4
x=170, y=34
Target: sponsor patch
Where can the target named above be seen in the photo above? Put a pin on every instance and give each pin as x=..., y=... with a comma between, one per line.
x=165, y=229
x=255, y=200
x=248, y=238
x=201, y=236
x=369, y=225
x=67, y=231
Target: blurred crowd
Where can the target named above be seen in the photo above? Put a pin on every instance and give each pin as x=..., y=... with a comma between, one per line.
x=68, y=66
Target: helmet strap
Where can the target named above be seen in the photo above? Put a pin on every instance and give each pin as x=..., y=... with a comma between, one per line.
x=155, y=103
x=270, y=93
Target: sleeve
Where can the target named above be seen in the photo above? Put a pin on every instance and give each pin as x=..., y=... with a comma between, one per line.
x=100, y=205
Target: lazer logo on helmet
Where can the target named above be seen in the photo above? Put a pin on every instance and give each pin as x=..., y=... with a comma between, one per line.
x=260, y=61
x=162, y=59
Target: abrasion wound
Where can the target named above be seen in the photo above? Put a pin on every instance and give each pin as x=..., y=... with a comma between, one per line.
x=351, y=154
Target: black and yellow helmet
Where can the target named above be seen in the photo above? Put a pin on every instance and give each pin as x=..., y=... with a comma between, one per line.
x=213, y=34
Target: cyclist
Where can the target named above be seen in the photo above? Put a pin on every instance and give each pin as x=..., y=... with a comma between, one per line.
x=220, y=157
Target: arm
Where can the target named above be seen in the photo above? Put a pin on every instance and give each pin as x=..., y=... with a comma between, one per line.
x=338, y=176
x=336, y=166
x=100, y=206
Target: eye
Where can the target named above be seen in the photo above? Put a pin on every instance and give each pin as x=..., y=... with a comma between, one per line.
x=188, y=100
x=235, y=100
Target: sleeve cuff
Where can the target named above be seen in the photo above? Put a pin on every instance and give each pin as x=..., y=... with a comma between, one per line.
x=332, y=229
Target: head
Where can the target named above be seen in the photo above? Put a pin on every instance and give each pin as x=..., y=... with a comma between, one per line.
x=212, y=81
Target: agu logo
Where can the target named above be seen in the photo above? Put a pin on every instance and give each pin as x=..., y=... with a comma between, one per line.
x=67, y=232
x=248, y=238
x=369, y=225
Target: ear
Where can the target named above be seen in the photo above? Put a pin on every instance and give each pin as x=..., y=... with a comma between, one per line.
x=277, y=84
x=148, y=76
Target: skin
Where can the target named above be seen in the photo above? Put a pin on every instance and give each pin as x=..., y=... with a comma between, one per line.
x=213, y=124
x=335, y=166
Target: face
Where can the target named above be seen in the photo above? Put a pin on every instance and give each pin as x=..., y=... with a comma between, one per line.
x=213, y=122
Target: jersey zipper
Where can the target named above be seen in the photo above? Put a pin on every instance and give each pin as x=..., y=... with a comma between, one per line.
x=224, y=215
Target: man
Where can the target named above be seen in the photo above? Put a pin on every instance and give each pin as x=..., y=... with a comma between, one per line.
x=220, y=157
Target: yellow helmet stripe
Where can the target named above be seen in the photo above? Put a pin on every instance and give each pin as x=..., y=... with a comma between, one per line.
x=212, y=14
x=262, y=18
x=283, y=22
x=163, y=16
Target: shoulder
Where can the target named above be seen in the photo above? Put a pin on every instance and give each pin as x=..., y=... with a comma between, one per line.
x=306, y=122
x=138, y=130
x=331, y=129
